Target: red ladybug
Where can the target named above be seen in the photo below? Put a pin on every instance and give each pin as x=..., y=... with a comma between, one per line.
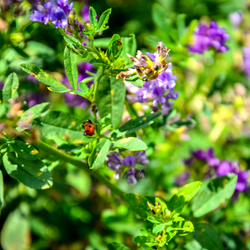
x=89, y=127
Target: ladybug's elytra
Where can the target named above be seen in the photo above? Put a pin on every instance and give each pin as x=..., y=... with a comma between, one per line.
x=89, y=127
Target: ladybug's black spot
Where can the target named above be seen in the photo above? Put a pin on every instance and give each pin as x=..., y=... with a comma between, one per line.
x=87, y=130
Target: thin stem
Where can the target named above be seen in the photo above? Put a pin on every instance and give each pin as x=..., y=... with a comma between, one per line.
x=95, y=50
x=97, y=82
x=80, y=164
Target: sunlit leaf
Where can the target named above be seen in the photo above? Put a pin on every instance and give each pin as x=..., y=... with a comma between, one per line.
x=16, y=232
x=183, y=196
x=1, y=190
x=71, y=67
x=99, y=154
x=103, y=21
x=33, y=174
x=117, y=246
x=10, y=87
x=212, y=193
x=41, y=76
x=92, y=16
x=207, y=237
x=138, y=204
x=131, y=143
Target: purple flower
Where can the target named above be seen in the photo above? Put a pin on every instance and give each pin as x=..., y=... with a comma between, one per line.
x=241, y=185
x=141, y=158
x=182, y=179
x=85, y=13
x=205, y=156
x=43, y=14
x=75, y=100
x=114, y=163
x=220, y=168
x=31, y=78
x=59, y=18
x=246, y=52
x=160, y=90
x=65, y=6
x=236, y=18
x=227, y=167
x=129, y=161
x=33, y=99
x=56, y=12
x=128, y=165
x=152, y=211
x=224, y=168
x=209, y=36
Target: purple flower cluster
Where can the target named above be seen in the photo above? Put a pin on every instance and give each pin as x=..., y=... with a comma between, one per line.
x=76, y=100
x=227, y=167
x=236, y=18
x=161, y=89
x=209, y=36
x=246, y=51
x=35, y=98
x=119, y=165
x=55, y=11
x=85, y=13
x=218, y=167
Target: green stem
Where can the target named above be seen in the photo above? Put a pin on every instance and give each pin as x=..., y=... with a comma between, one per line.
x=100, y=74
x=95, y=50
x=80, y=164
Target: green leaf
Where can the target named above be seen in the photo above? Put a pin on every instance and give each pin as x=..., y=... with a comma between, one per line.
x=16, y=232
x=10, y=87
x=99, y=154
x=138, y=123
x=129, y=46
x=185, y=227
x=84, y=88
x=1, y=190
x=163, y=204
x=117, y=246
x=62, y=125
x=118, y=92
x=178, y=124
x=114, y=47
x=163, y=23
x=36, y=111
x=104, y=18
x=212, y=193
x=158, y=228
x=33, y=174
x=131, y=143
x=207, y=237
x=183, y=196
x=45, y=78
x=180, y=22
x=25, y=150
x=92, y=16
x=171, y=235
x=110, y=99
x=102, y=42
x=154, y=219
x=191, y=27
x=3, y=109
x=141, y=241
x=75, y=45
x=151, y=244
x=138, y=203
x=71, y=67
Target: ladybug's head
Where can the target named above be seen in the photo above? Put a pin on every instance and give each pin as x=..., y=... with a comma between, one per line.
x=89, y=121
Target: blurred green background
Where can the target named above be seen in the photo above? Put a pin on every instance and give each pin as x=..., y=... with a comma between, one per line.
x=80, y=213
